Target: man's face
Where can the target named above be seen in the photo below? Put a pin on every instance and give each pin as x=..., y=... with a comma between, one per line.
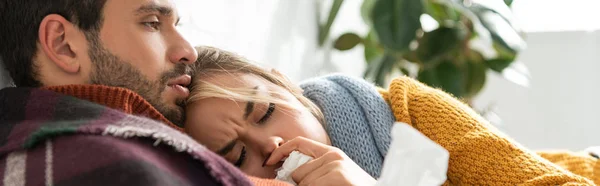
x=139, y=48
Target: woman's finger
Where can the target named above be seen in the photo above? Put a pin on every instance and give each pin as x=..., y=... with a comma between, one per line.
x=301, y=172
x=331, y=179
x=321, y=171
x=301, y=144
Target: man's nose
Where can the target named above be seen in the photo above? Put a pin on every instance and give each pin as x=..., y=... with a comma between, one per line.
x=182, y=51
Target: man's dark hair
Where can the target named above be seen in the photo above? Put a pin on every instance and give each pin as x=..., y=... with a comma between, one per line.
x=19, y=25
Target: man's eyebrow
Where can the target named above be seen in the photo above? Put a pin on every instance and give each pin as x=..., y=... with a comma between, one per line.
x=225, y=150
x=250, y=105
x=149, y=8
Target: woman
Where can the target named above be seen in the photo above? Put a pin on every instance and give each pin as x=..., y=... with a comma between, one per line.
x=254, y=118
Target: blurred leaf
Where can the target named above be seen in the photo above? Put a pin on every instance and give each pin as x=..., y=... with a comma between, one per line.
x=498, y=65
x=347, y=41
x=372, y=66
x=498, y=6
x=481, y=32
x=366, y=9
x=446, y=76
x=465, y=20
x=437, y=43
x=480, y=46
x=517, y=73
x=463, y=17
x=441, y=10
x=476, y=77
x=379, y=69
x=502, y=32
x=405, y=71
x=372, y=49
x=385, y=70
x=324, y=29
x=396, y=22
x=429, y=77
x=411, y=56
x=508, y=2
x=504, y=59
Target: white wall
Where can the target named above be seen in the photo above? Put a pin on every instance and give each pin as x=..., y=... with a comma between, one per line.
x=560, y=109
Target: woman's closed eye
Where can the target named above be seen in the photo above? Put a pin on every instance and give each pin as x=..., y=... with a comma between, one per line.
x=242, y=157
x=267, y=114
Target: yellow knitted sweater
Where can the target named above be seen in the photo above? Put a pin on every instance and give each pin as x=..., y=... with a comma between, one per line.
x=479, y=153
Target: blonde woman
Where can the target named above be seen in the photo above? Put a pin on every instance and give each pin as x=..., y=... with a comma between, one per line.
x=255, y=117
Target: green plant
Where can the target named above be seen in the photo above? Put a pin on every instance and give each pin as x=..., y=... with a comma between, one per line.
x=449, y=44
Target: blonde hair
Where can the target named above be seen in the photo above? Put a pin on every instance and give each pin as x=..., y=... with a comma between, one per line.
x=212, y=61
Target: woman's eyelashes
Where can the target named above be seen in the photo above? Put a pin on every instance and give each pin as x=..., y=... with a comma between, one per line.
x=242, y=157
x=267, y=115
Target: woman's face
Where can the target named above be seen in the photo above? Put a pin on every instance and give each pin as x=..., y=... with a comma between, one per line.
x=245, y=133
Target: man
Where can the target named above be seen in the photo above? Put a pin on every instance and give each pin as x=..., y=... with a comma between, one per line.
x=99, y=97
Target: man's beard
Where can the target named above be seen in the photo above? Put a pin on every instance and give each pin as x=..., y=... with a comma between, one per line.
x=110, y=70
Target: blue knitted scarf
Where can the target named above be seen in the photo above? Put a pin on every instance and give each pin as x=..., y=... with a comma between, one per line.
x=357, y=119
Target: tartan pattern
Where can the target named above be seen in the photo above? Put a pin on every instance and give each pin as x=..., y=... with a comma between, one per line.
x=62, y=140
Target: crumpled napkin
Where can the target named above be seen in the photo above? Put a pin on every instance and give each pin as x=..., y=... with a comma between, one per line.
x=293, y=161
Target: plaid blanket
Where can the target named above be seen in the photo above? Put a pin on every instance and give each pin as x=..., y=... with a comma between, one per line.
x=48, y=138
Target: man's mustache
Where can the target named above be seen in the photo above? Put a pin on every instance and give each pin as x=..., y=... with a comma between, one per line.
x=179, y=70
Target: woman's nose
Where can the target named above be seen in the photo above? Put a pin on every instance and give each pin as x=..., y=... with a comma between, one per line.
x=272, y=143
x=264, y=143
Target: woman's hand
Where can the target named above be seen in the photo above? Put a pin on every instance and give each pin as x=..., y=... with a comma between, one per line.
x=331, y=166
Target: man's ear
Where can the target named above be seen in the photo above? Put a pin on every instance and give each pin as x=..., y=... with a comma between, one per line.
x=57, y=38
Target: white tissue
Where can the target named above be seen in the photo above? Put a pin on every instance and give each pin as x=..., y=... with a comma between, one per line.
x=413, y=159
x=293, y=161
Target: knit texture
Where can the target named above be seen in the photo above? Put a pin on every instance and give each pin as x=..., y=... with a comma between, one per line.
x=357, y=119
x=121, y=99
x=580, y=163
x=479, y=153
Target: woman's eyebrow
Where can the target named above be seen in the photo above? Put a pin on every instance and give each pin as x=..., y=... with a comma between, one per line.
x=225, y=150
x=250, y=105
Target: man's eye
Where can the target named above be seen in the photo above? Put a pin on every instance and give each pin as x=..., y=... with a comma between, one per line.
x=152, y=24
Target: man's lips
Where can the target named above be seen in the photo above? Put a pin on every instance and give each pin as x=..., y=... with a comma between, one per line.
x=180, y=84
x=183, y=80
